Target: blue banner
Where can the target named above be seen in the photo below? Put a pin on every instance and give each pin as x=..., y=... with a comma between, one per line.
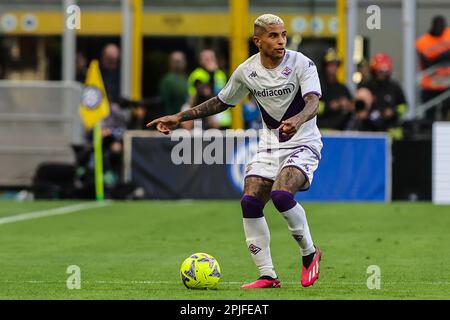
x=352, y=168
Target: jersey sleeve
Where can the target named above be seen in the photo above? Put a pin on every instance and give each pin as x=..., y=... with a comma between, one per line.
x=309, y=79
x=234, y=91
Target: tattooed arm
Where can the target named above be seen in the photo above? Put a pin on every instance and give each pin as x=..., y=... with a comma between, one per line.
x=291, y=125
x=205, y=109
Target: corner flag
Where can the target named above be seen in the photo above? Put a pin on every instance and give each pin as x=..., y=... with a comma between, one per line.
x=94, y=107
x=94, y=102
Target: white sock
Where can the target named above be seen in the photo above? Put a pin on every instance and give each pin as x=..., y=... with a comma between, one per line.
x=258, y=242
x=298, y=225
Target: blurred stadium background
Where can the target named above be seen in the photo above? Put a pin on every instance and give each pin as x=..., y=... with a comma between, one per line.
x=46, y=153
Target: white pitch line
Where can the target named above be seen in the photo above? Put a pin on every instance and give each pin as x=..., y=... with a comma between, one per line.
x=53, y=212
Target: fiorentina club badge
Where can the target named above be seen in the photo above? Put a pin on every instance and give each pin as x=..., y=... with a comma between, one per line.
x=286, y=71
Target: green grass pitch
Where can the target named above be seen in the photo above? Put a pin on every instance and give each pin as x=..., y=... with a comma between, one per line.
x=133, y=250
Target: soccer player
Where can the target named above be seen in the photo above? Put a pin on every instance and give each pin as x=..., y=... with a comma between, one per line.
x=286, y=86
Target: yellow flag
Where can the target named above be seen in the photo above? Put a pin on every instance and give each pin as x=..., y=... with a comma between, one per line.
x=94, y=102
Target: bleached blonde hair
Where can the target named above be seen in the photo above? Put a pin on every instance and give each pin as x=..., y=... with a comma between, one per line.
x=268, y=19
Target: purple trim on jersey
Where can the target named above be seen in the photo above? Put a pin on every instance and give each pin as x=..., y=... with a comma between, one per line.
x=229, y=105
x=256, y=176
x=312, y=92
x=296, y=147
x=283, y=200
x=294, y=108
x=306, y=177
x=252, y=207
x=269, y=121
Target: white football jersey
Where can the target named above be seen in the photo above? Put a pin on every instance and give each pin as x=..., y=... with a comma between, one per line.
x=279, y=93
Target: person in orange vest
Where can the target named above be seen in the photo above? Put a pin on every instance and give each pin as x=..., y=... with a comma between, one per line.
x=433, y=49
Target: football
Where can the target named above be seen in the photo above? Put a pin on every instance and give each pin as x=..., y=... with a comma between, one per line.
x=200, y=271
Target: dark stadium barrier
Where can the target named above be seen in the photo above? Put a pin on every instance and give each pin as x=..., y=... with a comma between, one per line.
x=412, y=170
x=354, y=167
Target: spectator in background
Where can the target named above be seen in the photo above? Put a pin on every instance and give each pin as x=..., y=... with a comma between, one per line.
x=110, y=69
x=336, y=106
x=116, y=123
x=173, y=88
x=389, y=104
x=203, y=93
x=361, y=118
x=209, y=73
x=113, y=126
x=364, y=73
x=433, y=49
x=112, y=170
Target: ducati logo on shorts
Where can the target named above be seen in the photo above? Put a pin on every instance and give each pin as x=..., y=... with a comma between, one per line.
x=254, y=249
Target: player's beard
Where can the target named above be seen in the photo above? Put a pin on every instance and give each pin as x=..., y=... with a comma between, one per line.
x=277, y=55
x=274, y=55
